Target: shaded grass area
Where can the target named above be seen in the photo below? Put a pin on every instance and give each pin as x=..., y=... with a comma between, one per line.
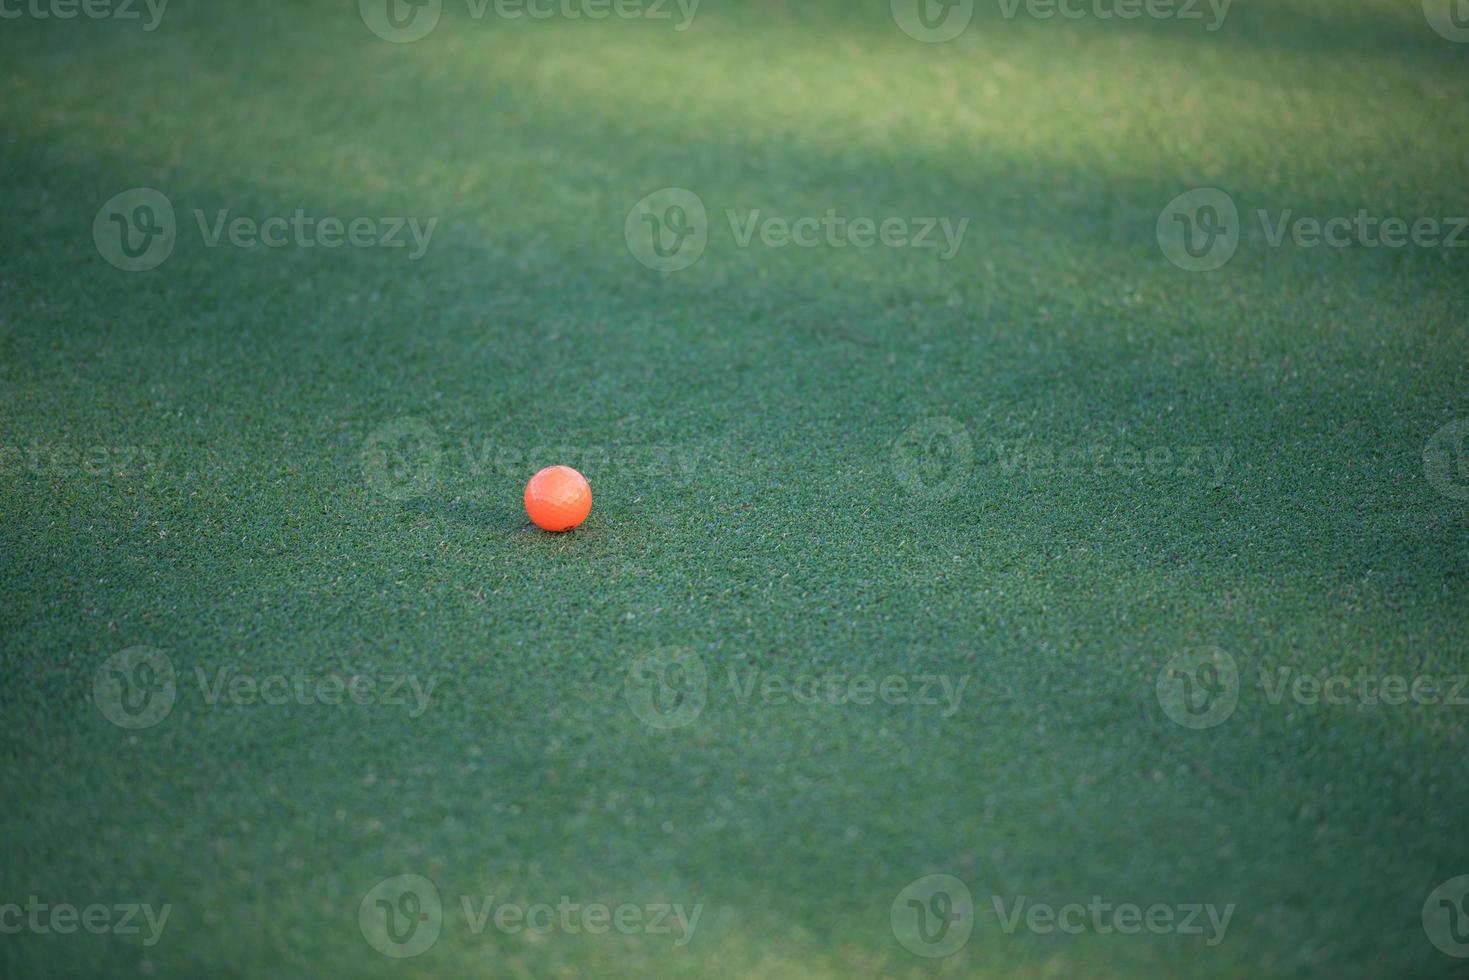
x=779, y=537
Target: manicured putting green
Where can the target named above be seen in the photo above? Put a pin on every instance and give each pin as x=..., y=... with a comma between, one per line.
x=1022, y=547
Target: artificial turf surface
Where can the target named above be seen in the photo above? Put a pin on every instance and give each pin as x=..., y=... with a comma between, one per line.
x=196, y=461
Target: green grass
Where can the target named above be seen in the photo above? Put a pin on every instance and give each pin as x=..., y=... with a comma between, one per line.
x=183, y=469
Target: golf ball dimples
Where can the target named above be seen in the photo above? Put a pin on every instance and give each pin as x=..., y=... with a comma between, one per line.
x=558, y=498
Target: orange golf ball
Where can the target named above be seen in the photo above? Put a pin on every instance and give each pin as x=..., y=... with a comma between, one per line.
x=558, y=498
